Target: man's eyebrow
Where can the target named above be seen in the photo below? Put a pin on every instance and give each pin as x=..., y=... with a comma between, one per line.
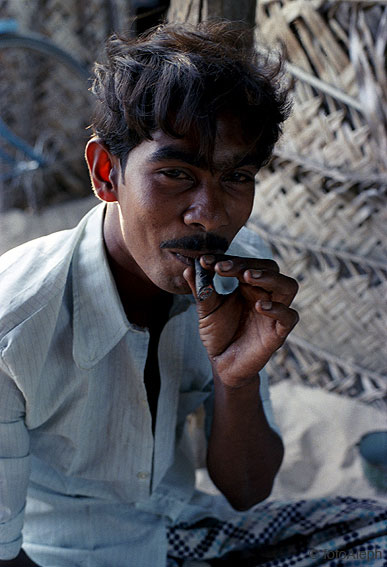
x=249, y=159
x=172, y=153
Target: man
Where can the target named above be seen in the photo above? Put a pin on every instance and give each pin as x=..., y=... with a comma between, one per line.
x=105, y=345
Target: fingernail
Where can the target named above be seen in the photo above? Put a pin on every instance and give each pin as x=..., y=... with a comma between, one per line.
x=256, y=273
x=208, y=259
x=225, y=266
x=266, y=305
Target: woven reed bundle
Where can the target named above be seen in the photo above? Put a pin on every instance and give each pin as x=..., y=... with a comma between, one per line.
x=78, y=27
x=321, y=204
x=48, y=106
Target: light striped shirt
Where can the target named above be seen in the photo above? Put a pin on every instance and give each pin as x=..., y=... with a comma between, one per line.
x=79, y=465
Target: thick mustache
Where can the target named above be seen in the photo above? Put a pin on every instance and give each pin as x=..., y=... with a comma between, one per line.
x=207, y=241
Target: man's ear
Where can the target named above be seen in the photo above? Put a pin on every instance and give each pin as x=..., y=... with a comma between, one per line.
x=103, y=169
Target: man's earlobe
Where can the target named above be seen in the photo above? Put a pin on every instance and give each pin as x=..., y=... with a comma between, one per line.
x=102, y=167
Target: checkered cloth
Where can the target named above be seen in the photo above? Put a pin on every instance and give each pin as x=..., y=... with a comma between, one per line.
x=335, y=532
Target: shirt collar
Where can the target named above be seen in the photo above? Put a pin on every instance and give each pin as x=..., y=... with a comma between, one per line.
x=100, y=321
x=99, y=318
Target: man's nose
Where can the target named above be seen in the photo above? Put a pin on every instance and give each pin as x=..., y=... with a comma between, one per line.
x=207, y=209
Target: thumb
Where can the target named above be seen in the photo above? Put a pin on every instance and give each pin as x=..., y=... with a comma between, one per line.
x=200, y=281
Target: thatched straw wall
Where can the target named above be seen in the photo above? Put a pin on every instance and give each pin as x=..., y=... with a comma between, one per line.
x=322, y=202
x=49, y=106
x=79, y=27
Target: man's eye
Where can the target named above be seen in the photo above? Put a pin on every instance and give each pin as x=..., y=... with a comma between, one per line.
x=239, y=177
x=175, y=173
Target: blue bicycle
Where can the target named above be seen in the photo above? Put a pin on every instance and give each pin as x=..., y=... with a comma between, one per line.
x=44, y=111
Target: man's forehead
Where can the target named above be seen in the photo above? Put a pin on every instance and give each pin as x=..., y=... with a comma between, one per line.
x=229, y=151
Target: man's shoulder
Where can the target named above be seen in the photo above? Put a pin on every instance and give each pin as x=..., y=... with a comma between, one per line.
x=34, y=273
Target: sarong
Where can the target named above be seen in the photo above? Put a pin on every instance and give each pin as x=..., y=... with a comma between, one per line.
x=336, y=532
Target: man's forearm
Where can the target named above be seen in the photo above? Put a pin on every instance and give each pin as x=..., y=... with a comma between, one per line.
x=244, y=453
x=22, y=560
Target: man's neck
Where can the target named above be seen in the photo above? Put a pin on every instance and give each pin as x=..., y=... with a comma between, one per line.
x=145, y=304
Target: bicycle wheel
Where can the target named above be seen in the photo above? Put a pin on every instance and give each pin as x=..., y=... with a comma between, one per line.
x=44, y=102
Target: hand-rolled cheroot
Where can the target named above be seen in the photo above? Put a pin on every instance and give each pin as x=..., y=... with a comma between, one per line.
x=203, y=281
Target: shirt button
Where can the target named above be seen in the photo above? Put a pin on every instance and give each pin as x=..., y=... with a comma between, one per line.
x=144, y=402
x=142, y=475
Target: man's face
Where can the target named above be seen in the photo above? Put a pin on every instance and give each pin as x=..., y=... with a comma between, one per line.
x=173, y=208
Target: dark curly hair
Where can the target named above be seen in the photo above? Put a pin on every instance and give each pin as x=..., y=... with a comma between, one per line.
x=180, y=78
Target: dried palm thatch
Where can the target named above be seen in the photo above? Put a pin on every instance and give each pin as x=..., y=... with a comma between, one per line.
x=78, y=27
x=321, y=203
x=45, y=103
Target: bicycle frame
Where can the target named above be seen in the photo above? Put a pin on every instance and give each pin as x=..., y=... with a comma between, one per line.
x=35, y=162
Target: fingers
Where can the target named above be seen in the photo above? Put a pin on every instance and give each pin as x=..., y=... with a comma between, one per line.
x=260, y=280
x=282, y=288
x=259, y=273
x=207, y=303
x=189, y=276
x=285, y=317
x=232, y=266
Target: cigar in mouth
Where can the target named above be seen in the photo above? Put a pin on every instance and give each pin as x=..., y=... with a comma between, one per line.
x=203, y=281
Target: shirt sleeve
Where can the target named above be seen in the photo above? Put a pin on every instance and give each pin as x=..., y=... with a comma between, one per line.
x=14, y=466
x=266, y=401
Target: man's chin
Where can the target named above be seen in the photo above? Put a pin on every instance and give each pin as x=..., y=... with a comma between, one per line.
x=177, y=285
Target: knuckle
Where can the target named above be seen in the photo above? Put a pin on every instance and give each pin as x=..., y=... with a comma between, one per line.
x=238, y=263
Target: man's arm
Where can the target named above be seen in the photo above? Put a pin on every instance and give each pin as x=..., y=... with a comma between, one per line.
x=14, y=470
x=240, y=332
x=22, y=560
x=244, y=453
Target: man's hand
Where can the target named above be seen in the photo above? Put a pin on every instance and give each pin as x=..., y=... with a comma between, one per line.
x=242, y=330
